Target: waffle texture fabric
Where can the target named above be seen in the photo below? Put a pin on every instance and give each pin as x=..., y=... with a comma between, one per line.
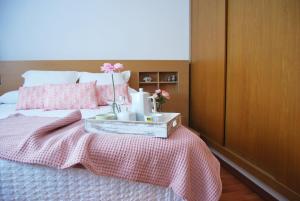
x=182, y=162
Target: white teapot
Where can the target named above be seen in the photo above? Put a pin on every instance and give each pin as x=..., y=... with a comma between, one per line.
x=141, y=104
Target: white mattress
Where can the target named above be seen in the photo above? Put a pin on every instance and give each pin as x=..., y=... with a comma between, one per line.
x=37, y=183
x=20, y=181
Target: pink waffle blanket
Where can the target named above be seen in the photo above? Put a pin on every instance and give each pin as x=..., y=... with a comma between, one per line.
x=182, y=162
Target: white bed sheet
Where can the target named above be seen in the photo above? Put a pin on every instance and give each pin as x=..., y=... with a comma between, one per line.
x=20, y=181
x=9, y=109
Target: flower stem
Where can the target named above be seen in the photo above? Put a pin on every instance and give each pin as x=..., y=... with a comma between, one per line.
x=112, y=78
x=114, y=105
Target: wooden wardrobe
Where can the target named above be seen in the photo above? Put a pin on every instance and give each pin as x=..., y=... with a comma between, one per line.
x=245, y=85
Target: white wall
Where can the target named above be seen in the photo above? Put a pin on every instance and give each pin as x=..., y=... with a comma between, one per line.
x=94, y=29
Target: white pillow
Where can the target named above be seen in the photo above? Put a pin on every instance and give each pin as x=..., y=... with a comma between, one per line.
x=131, y=90
x=104, y=78
x=35, y=78
x=9, y=97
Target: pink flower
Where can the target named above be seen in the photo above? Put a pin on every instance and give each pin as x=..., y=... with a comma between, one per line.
x=165, y=94
x=161, y=97
x=118, y=66
x=109, y=68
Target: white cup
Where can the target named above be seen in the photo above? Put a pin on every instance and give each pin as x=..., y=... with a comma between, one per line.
x=126, y=116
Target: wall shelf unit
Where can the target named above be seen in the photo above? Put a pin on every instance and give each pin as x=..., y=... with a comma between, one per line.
x=165, y=80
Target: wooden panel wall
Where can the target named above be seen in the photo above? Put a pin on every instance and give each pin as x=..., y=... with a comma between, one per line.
x=263, y=87
x=208, y=68
x=248, y=51
x=11, y=71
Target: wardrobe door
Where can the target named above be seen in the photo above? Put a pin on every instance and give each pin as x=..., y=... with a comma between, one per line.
x=208, y=69
x=263, y=86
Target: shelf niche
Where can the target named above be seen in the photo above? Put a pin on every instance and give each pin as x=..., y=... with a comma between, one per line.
x=150, y=81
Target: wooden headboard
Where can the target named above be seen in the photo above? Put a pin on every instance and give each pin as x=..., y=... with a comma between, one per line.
x=11, y=71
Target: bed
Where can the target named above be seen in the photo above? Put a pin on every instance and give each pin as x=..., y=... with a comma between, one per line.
x=21, y=180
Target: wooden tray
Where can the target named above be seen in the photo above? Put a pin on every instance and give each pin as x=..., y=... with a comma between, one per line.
x=171, y=121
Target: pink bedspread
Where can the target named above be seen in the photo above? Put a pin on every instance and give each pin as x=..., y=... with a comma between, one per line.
x=182, y=162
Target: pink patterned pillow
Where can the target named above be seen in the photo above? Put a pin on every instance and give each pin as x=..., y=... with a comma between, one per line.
x=70, y=96
x=105, y=93
x=31, y=98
